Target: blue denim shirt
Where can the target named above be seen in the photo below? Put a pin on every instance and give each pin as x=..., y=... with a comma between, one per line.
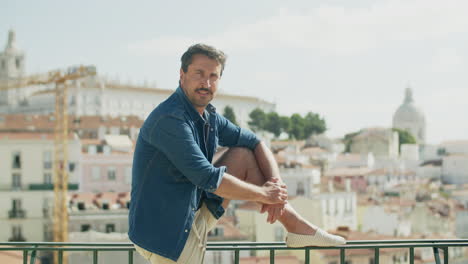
x=173, y=173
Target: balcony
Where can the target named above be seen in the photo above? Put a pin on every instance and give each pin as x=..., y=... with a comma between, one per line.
x=18, y=213
x=50, y=186
x=438, y=247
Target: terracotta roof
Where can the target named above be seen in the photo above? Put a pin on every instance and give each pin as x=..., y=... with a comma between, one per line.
x=96, y=200
x=313, y=150
x=349, y=157
x=30, y=136
x=22, y=122
x=343, y=172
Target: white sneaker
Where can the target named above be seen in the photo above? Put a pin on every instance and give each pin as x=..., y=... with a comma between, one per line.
x=320, y=239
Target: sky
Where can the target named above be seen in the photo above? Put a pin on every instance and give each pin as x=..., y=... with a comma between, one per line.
x=349, y=61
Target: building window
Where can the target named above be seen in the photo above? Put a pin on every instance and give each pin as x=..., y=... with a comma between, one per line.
x=279, y=233
x=16, y=211
x=111, y=173
x=300, y=188
x=85, y=227
x=18, y=63
x=96, y=173
x=128, y=175
x=348, y=205
x=110, y=228
x=47, y=178
x=3, y=64
x=45, y=208
x=48, y=232
x=16, y=180
x=16, y=234
x=71, y=166
x=47, y=157
x=216, y=232
x=16, y=160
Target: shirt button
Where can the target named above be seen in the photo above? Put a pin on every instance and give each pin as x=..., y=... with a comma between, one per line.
x=186, y=230
x=212, y=129
x=193, y=209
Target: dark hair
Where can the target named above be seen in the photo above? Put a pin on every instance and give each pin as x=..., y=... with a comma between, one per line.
x=209, y=51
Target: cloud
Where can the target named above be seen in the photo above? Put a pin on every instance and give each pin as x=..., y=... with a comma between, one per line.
x=331, y=29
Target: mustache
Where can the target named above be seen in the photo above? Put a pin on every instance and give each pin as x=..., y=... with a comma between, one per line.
x=203, y=90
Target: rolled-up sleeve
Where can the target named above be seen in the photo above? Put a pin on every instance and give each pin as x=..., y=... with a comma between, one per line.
x=174, y=137
x=231, y=135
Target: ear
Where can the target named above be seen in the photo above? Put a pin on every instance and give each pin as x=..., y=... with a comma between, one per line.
x=181, y=75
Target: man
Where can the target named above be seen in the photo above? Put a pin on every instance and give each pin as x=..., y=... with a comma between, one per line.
x=179, y=189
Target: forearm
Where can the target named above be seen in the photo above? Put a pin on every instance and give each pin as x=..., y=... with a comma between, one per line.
x=235, y=189
x=266, y=162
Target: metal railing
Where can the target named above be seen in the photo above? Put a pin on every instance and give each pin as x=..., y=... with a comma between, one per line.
x=30, y=249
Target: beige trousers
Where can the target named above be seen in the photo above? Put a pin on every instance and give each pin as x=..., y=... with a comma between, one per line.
x=194, y=249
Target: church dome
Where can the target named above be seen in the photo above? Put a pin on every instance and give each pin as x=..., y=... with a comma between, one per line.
x=408, y=111
x=410, y=118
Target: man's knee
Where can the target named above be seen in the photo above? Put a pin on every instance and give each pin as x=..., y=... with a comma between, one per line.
x=237, y=160
x=242, y=153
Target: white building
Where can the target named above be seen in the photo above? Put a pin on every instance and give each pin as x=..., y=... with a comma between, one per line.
x=455, y=169
x=26, y=190
x=301, y=181
x=100, y=96
x=382, y=142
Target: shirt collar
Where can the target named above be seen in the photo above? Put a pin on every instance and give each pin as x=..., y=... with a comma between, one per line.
x=189, y=107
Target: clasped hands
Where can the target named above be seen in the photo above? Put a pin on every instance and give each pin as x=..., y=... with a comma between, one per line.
x=275, y=210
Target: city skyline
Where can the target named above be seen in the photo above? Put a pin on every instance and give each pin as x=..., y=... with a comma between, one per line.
x=349, y=62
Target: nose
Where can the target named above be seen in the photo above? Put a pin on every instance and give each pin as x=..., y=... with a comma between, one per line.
x=206, y=83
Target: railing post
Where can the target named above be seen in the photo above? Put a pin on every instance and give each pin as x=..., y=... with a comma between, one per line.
x=342, y=256
x=272, y=256
x=33, y=256
x=411, y=255
x=446, y=255
x=25, y=257
x=60, y=257
x=307, y=256
x=436, y=255
x=376, y=255
x=95, y=256
x=236, y=256
x=130, y=256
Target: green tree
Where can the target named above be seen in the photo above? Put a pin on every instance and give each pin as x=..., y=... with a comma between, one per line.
x=348, y=140
x=229, y=114
x=273, y=123
x=404, y=137
x=258, y=119
x=313, y=125
x=296, y=127
x=285, y=124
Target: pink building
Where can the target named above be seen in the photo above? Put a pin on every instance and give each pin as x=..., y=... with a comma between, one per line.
x=107, y=164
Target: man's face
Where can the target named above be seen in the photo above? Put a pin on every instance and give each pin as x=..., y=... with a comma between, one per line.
x=200, y=82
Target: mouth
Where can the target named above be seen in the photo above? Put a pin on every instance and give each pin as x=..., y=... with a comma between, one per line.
x=203, y=92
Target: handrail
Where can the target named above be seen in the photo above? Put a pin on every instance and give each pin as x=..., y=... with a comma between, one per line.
x=31, y=248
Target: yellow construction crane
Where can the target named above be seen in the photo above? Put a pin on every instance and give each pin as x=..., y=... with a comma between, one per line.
x=59, y=79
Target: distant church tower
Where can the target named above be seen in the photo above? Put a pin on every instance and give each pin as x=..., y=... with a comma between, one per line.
x=410, y=118
x=11, y=65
